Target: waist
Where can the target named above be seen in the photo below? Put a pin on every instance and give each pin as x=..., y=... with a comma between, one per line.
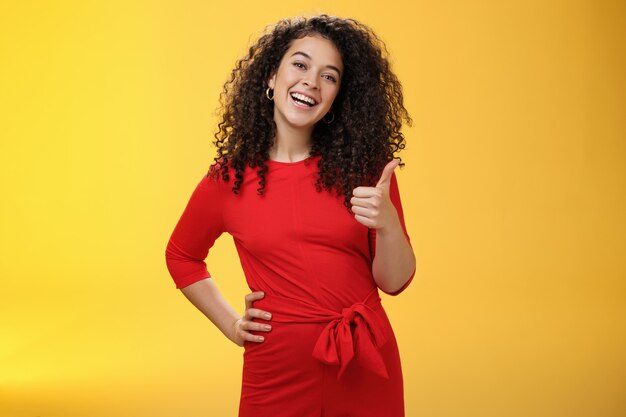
x=291, y=310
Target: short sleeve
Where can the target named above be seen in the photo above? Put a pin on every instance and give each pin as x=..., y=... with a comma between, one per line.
x=195, y=233
x=394, y=195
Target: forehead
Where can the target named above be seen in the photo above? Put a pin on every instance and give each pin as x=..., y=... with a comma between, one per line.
x=318, y=48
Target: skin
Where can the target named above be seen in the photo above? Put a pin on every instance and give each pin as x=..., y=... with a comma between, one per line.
x=313, y=66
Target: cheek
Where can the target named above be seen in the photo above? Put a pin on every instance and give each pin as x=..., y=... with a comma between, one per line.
x=330, y=96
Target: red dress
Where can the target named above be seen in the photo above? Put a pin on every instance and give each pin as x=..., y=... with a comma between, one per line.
x=331, y=351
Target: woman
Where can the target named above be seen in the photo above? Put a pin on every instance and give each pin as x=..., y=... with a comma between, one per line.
x=304, y=182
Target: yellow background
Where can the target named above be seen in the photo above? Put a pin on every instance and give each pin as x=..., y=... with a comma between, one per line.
x=514, y=193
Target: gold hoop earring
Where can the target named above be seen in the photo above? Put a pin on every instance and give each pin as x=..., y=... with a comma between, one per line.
x=331, y=120
x=267, y=93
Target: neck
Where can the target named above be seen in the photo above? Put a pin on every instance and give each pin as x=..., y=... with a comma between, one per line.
x=291, y=144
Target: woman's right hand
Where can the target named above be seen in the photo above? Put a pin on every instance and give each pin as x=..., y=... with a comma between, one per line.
x=244, y=325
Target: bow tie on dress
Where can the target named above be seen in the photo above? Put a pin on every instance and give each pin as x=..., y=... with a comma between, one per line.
x=336, y=344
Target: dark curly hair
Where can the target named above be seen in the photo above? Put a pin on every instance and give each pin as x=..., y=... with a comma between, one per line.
x=368, y=108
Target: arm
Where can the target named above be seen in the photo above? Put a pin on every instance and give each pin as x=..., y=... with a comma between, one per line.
x=394, y=265
x=207, y=298
x=205, y=295
x=380, y=209
x=195, y=233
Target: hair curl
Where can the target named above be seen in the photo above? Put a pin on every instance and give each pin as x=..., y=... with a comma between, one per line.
x=368, y=108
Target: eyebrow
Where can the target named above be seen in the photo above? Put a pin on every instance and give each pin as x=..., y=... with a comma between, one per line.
x=307, y=56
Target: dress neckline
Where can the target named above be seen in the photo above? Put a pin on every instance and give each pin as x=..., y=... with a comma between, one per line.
x=300, y=162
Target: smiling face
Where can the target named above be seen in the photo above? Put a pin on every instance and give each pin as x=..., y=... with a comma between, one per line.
x=306, y=82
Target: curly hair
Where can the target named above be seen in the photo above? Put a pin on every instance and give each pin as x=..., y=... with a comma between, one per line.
x=368, y=108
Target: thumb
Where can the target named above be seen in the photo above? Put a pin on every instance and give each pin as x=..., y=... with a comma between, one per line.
x=385, y=177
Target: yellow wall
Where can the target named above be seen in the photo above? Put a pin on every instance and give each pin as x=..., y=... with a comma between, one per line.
x=514, y=194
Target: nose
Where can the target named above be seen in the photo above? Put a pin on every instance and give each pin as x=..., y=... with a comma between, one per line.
x=310, y=82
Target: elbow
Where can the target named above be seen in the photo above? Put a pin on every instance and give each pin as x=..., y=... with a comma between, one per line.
x=397, y=291
x=184, y=269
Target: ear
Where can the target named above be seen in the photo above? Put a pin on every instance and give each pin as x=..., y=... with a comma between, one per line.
x=271, y=82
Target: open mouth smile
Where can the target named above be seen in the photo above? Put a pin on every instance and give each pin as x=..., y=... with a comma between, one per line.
x=300, y=100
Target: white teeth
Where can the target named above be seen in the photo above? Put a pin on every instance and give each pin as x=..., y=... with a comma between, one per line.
x=303, y=98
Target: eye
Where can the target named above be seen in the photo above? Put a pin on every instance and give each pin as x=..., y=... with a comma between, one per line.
x=299, y=64
x=330, y=77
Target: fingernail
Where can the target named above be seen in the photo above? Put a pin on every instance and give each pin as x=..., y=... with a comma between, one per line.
x=268, y=327
x=261, y=338
x=267, y=316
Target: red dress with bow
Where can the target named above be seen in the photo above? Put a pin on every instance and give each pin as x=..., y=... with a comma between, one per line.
x=331, y=350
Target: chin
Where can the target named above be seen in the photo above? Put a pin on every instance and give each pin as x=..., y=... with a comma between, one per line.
x=302, y=123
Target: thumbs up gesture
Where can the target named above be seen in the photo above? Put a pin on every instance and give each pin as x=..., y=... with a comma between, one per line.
x=372, y=206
